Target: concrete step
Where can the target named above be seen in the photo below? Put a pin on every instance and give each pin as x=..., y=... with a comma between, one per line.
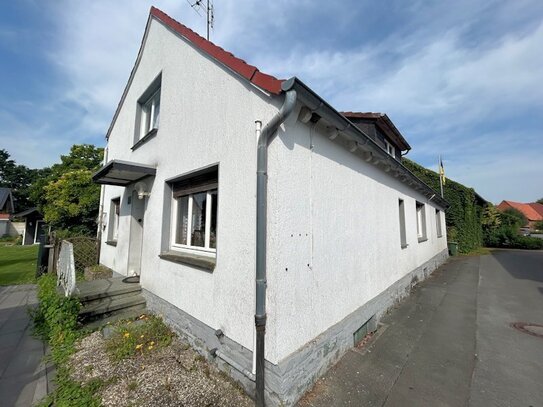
x=123, y=314
x=109, y=306
x=93, y=290
x=92, y=303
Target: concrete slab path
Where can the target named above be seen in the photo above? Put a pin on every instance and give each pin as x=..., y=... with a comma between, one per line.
x=23, y=379
x=451, y=342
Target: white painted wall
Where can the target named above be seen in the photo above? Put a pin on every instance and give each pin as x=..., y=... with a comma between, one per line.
x=207, y=117
x=333, y=219
x=334, y=236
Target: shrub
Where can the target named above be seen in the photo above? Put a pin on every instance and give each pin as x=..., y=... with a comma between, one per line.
x=55, y=321
x=136, y=338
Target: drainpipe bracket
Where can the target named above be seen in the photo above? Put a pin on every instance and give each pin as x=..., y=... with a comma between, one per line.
x=260, y=320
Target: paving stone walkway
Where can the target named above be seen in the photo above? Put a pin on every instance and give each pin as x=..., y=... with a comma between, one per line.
x=23, y=378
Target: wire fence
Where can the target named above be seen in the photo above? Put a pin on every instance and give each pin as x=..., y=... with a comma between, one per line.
x=85, y=251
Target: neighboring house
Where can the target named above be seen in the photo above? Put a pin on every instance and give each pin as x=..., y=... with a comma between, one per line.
x=532, y=211
x=6, y=210
x=34, y=226
x=348, y=229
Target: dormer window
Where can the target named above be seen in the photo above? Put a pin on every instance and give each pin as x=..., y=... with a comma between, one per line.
x=390, y=149
x=148, y=113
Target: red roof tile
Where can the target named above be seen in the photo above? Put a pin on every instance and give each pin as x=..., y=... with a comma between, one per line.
x=531, y=213
x=242, y=68
x=538, y=208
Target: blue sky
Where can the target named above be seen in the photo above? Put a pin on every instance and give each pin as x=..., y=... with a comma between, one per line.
x=463, y=79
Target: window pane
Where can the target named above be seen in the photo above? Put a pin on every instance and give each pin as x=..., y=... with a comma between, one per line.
x=156, y=112
x=182, y=220
x=214, y=203
x=198, y=219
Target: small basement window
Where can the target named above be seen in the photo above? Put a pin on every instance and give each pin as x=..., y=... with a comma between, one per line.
x=195, y=212
x=421, y=221
x=148, y=112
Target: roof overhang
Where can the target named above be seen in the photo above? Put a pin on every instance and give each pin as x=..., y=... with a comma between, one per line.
x=122, y=173
x=345, y=132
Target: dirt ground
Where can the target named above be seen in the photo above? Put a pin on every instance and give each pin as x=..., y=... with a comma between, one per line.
x=172, y=376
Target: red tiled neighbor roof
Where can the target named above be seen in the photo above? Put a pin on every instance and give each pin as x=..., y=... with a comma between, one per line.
x=538, y=208
x=239, y=66
x=531, y=213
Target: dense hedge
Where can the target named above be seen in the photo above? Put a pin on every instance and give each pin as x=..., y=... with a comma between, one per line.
x=463, y=216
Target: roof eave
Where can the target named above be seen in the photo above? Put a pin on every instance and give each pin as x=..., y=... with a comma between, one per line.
x=360, y=141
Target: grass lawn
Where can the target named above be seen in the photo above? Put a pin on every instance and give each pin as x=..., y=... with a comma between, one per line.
x=18, y=264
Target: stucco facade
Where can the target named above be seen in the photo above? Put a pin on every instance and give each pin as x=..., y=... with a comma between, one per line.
x=334, y=254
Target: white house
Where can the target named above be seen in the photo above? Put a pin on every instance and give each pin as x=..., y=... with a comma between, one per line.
x=338, y=233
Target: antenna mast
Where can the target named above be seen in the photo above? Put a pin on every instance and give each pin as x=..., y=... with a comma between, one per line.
x=199, y=6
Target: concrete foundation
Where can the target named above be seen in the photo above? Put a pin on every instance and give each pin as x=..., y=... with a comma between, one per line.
x=288, y=380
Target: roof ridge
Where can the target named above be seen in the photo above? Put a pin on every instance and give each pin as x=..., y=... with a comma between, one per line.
x=250, y=72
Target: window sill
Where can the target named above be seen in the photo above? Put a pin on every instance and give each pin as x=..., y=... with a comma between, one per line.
x=111, y=242
x=203, y=262
x=152, y=133
x=422, y=239
x=440, y=236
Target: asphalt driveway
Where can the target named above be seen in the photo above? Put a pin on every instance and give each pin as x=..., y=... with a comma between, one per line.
x=451, y=342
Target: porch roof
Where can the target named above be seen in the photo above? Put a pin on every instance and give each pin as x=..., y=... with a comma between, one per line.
x=122, y=173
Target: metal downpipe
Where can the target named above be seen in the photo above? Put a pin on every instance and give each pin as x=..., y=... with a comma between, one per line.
x=261, y=220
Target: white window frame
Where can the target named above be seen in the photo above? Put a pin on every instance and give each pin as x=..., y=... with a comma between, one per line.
x=439, y=225
x=390, y=149
x=206, y=249
x=149, y=120
x=421, y=221
x=114, y=219
x=36, y=228
x=403, y=230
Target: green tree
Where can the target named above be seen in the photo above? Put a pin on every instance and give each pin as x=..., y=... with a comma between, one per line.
x=19, y=178
x=67, y=196
x=513, y=218
x=540, y=200
x=491, y=218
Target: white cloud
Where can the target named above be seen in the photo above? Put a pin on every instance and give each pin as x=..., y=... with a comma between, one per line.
x=443, y=73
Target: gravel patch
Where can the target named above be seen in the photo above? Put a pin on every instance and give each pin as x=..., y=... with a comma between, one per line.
x=172, y=376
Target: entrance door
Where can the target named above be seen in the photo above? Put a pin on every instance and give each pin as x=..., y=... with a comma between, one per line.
x=136, y=234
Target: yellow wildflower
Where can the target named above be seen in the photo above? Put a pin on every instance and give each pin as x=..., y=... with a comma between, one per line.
x=139, y=346
x=141, y=336
x=152, y=343
x=150, y=347
x=126, y=334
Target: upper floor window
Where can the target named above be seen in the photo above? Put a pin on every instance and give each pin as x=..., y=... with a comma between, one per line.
x=390, y=149
x=148, y=112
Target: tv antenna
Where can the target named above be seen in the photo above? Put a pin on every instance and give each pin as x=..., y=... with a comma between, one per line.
x=207, y=9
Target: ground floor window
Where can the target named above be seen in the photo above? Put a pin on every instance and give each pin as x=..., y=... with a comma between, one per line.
x=195, y=212
x=438, y=223
x=114, y=216
x=421, y=221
